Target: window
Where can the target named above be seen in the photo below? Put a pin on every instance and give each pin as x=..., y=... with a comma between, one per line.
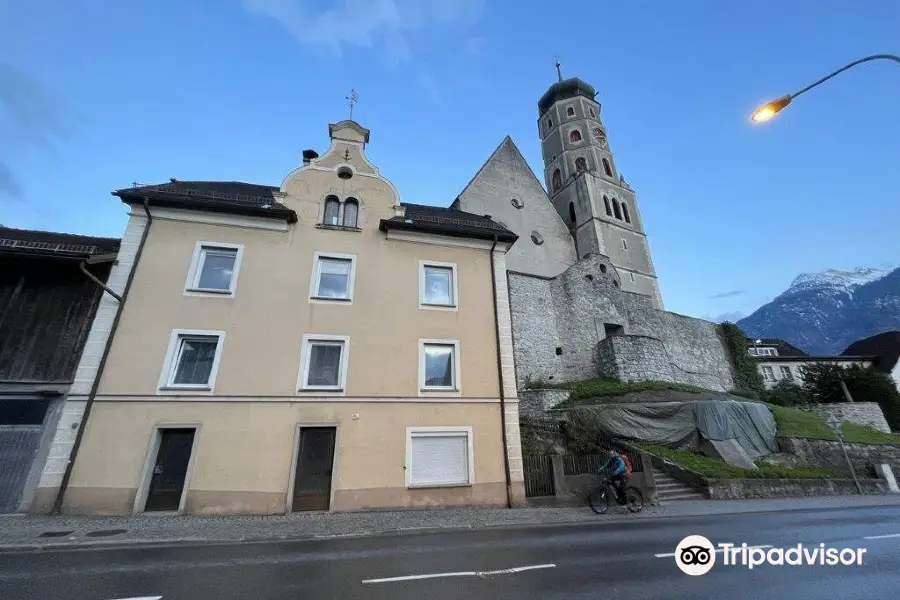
x=192, y=360
x=437, y=285
x=537, y=238
x=632, y=277
x=574, y=136
x=324, y=363
x=439, y=365
x=625, y=213
x=592, y=112
x=214, y=268
x=786, y=373
x=439, y=457
x=624, y=244
x=557, y=180
x=755, y=351
x=517, y=203
x=572, y=213
x=606, y=205
x=332, y=211
x=333, y=277
x=616, y=209
x=768, y=374
x=549, y=123
x=613, y=329
x=580, y=164
x=606, y=168
x=351, y=213
x=570, y=111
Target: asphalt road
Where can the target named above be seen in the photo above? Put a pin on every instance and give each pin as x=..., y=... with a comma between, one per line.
x=614, y=561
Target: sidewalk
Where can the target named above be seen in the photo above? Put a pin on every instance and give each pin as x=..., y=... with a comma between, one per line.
x=24, y=533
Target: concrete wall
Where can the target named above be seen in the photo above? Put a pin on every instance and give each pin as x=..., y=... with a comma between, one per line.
x=827, y=453
x=538, y=402
x=732, y=489
x=861, y=413
x=570, y=312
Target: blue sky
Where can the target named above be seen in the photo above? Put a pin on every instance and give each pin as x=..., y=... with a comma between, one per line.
x=95, y=94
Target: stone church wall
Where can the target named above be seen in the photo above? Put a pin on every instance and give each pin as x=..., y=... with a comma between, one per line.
x=580, y=325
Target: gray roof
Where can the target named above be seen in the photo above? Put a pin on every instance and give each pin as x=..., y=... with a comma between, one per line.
x=448, y=221
x=53, y=244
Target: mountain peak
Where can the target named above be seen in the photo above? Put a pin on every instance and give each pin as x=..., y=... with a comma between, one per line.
x=835, y=280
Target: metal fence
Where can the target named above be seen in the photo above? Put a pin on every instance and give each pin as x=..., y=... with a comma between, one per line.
x=538, y=470
x=582, y=464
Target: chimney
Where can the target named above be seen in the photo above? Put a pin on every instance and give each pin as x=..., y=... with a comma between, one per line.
x=309, y=155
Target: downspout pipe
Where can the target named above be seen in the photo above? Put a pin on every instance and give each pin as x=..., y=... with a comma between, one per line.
x=500, y=380
x=67, y=475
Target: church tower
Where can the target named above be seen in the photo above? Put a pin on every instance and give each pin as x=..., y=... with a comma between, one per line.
x=595, y=202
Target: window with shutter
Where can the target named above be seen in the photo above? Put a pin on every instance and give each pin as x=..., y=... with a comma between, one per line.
x=439, y=457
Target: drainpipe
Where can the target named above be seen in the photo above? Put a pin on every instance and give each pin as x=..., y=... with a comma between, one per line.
x=500, y=379
x=64, y=485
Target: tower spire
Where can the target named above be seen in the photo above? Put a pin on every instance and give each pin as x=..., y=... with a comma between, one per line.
x=558, y=69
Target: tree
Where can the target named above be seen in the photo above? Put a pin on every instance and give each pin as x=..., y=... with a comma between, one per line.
x=823, y=383
x=786, y=393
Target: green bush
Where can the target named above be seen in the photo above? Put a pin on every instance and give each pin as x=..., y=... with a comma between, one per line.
x=823, y=382
x=746, y=375
x=593, y=388
x=786, y=393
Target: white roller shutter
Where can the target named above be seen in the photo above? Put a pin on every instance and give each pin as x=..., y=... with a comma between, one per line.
x=439, y=458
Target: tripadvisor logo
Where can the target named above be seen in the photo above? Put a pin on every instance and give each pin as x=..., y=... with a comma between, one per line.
x=696, y=555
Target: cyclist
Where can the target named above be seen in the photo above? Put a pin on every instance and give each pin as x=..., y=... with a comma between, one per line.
x=615, y=465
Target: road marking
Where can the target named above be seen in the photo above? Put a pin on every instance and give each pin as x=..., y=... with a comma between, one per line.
x=671, y=554
x=881, y=537
x=459, y=574
x=142, y=598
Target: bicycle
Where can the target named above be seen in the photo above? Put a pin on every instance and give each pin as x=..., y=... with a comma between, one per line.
x=599, y=498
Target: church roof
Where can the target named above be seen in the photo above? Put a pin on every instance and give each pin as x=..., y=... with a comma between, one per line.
x=885, y=346
x=510, y=145
x=233, y=197
x=448, y=221
x=562, y=90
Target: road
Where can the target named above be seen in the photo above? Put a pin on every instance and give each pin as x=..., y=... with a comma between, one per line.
x=614, y=561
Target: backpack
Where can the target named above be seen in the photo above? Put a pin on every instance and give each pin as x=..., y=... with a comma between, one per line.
x=627, y=462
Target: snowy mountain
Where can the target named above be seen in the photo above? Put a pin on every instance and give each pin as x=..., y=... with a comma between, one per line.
x=824, y=312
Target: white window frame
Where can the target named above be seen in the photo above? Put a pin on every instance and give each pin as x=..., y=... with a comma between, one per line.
x=787, y=372
x=192, y=283
x=305, y=354
x=454, y=292
x=173, y=353
x=412, y=432
x=768, y=374
x=757, y=351
x=456, y=389
x=314, y=278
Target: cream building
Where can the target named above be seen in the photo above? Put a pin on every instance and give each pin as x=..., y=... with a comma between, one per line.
x=777, y=360
x=318, y=346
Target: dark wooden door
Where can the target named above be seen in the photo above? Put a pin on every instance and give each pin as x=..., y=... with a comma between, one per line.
x=315, y=460
x=170, y=469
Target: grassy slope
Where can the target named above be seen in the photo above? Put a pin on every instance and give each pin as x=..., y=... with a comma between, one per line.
x=793, y=422
x=593, y=388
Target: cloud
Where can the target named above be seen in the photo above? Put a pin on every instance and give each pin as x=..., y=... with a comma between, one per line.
x=430, y=86
x=728, y=294
x=27, y=114
x=365, y=23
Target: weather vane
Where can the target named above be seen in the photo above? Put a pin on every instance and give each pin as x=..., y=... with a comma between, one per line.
x=352, y=99
x=558, y=69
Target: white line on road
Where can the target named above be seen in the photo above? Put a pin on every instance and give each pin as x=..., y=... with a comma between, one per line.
x=459, y=574
x=671, y=554
x=881, y=537
x=142, y=598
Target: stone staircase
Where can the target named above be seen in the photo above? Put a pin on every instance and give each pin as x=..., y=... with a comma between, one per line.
x=671, y=490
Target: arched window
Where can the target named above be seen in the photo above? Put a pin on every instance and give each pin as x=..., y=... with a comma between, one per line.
x=607, y=168
x=570, y=112
x=616, y=209
x=592, y=113
x=572, y=212
x=580, y=164
x=606, y=205
x=625, y=213
x=574, y=136
x=557, y=180
x=332, y=211
x=351, y=212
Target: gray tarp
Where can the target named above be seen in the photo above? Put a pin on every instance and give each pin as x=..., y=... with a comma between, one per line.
x=685, y=423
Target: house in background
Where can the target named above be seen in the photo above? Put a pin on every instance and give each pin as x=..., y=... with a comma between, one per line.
x=50, y=287
x=777, y=360
x=313, y=346
x=886, y=349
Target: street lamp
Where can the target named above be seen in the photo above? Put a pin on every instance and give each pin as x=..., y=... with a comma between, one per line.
x=773, y=107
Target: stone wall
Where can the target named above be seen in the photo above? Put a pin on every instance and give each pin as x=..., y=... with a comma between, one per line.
x=861, y=413
x=826, y=453
x=730, y=489
x=537, y=402
x=561, y=324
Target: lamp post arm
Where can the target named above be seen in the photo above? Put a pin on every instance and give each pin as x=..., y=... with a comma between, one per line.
x=844, y=68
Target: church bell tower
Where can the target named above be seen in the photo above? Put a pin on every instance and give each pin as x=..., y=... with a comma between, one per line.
x=596, y=203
